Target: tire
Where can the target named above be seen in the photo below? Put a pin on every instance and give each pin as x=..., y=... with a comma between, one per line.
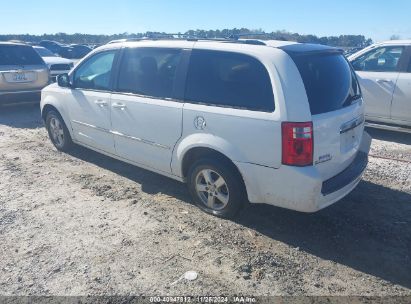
x=223, y=197
x=58, y=132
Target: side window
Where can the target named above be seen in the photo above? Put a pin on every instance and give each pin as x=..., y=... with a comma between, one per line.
x=409, y=66
x=95, y=73
x=383, y=59
x=229, y=80
x=149, y=71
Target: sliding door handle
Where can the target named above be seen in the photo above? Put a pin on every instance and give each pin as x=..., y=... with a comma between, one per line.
x=101, y=103
x=120, y=106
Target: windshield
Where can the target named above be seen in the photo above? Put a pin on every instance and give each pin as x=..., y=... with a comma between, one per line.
x=329, y=81
x=43, y=52
x=19, y=55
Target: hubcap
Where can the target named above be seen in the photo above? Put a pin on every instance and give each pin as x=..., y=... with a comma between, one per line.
x=212, y=189
x=56, y=130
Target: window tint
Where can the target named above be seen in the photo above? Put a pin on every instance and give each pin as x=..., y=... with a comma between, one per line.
x=229, y=79
x=149, y=71
x=384, y=59
x=19, y=55
x=95, y=73
x=409, y=66
x=329, y=81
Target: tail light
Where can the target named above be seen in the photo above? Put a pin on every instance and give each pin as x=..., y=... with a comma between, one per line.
x=297, y=142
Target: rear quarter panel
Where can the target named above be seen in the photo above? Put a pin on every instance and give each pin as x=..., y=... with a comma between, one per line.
x=242, y=135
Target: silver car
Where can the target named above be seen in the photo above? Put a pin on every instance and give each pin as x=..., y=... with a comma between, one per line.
x=23, y=73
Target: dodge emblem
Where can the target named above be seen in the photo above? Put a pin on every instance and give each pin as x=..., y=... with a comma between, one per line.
x=199, y=123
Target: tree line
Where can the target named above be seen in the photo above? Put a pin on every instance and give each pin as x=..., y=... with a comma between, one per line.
x=78, y=38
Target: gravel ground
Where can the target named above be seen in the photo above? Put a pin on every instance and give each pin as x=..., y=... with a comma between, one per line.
x=85, y=224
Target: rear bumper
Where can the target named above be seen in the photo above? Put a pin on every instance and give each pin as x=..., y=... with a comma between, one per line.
x=302, y=189
x=20, y=97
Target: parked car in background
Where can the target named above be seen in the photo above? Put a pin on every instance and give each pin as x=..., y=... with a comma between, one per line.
x=23, y=73
x=351, y=51
x=53, y=46
x=57, y=65
x=246, y=120
x=79, y=50
x=74, y=51
x=384, y=73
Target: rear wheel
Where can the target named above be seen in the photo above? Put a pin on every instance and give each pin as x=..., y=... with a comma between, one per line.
x=216, y=187
x=58, y=132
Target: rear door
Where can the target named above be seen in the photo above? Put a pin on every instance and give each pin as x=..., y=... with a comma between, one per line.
x=336, y=107
x=378, y=71
x=146, y=110
x=401, y=102
x=21, y=69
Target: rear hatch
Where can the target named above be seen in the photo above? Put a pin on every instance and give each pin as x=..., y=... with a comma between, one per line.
x=21, y=68
x=336, y=106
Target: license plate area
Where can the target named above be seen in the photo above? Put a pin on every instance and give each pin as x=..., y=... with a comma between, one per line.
x=350, y=140
x=350, y=134
x=20, y=77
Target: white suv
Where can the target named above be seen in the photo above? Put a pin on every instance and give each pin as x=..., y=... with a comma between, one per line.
x=240, y=121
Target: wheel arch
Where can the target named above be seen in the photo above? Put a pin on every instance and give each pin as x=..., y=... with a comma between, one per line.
x=50, y=104
x=202, y=144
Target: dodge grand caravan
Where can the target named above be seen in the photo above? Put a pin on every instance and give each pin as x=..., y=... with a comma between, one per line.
x=239, y=121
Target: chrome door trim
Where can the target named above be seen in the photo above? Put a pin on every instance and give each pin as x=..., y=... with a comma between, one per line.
x=352, y=124
x=91, y=126
x=148, y=142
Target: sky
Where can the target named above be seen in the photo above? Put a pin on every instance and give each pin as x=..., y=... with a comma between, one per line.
x=375, y=19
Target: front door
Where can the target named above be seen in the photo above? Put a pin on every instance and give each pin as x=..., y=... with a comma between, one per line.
x=146, y=117
x=377, y=72
x=89, y=108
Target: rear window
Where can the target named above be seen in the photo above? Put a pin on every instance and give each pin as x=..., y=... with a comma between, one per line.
x=229, y=80
x=19, y=55
x=329, y=81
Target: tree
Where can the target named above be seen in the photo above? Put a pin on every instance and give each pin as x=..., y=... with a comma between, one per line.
x=340, y=41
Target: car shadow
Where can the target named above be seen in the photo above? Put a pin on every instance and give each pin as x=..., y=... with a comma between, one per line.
x=151, y=183
x=369, y=230
x=26, y=116
x=390, y=136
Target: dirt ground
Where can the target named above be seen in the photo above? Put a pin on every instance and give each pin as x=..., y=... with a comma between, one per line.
x=85, y=224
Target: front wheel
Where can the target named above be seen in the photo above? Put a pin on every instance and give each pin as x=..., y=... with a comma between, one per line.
x=216, y=187
x=58, y=132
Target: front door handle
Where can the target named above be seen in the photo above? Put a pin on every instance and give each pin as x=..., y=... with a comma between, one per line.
x=121, y=106
x=101, y=103
x=382, y=81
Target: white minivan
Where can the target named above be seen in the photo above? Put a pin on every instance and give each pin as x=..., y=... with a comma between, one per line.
x=239, y=121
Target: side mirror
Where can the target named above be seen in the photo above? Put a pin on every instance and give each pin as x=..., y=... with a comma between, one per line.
x=357, y=65
x=63, y=80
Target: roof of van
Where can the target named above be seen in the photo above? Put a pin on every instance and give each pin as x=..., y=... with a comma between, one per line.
x=287, y=46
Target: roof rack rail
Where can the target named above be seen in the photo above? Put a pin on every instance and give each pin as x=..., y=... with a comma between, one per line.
x=179, y=36
x=239, y=36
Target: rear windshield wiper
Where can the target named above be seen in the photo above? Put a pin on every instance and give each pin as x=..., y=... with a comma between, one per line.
x=350, y=99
